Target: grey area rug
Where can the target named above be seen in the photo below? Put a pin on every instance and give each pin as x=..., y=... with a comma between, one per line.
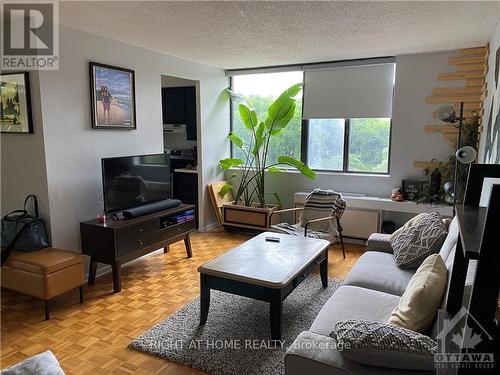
x=236, y=338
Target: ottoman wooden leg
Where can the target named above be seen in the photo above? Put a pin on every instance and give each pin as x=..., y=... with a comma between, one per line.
x=81, y=293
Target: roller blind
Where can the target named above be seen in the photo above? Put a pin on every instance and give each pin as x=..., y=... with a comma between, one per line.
x=349, y=92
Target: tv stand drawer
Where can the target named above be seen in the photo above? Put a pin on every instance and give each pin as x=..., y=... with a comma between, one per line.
x=130, y=241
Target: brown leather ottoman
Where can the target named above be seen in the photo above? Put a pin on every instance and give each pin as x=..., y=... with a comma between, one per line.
x=44, y=274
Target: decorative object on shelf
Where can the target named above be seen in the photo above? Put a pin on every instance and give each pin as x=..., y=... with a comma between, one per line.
x=446, y=113
x=449, y=192
x=397, y=195
x=112, y=92
x=15, y=103
x=411, y=189
x=250, y=206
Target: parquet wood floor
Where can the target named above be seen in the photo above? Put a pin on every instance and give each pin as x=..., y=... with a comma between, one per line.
x=92, y=338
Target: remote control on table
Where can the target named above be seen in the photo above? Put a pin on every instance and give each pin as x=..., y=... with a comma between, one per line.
x=272, y=239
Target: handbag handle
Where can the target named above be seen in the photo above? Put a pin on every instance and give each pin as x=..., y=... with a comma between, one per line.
x=35, y=203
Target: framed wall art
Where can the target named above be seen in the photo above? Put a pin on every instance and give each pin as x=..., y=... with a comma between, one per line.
x=15, y=103
x=112, y=97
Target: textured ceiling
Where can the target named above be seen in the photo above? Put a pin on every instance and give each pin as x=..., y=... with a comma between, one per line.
x=238, y=34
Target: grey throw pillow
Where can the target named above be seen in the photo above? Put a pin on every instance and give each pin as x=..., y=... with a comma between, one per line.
x=414, y=244
x=383, y=345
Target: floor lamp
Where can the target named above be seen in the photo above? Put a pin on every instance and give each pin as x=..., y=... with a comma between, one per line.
x=465, y=155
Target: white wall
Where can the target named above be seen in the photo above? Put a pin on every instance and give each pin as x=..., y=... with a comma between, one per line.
x=23, y=169
x=492, y=101
x=73, y=149
x=416, y=76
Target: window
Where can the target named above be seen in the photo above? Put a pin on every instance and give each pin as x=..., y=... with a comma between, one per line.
x=365, y=149
x=369, y=140
x=260, y=90
x=344, y=122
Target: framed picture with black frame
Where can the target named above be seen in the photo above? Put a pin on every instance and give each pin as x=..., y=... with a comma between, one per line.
x=15, y=103
x=112, y=91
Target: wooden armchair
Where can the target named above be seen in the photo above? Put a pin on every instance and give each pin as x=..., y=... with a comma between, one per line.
x=303, y=227
x=218, y=201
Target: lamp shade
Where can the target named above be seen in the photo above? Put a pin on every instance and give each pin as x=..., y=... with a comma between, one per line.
x=446, y=113
x=466, y=154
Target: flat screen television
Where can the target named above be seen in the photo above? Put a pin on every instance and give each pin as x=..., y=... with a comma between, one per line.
x=132, y=181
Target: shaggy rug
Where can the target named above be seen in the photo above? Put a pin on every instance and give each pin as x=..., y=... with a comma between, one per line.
x=236, y=338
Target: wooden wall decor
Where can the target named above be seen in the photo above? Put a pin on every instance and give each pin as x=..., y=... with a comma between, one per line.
x=471, y=67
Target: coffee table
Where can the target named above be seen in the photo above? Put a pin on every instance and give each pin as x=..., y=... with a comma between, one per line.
x=265, y=271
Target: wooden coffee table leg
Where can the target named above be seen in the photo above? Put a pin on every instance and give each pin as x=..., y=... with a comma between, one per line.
x=187, y=243
x=323, y=270
x=275, y=314
x=204, y=299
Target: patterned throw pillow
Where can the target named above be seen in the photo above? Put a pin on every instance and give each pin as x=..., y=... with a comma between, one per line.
x=379, y=344
x=415, y=243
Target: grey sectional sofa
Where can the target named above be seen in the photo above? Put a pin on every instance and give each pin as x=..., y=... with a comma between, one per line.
x=370, y=292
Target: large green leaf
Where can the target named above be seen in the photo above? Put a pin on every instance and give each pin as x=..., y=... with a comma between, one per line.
x=259, y=138
x=248, y=116
x=230, y=163
x=274, y=170
x=281, y=111
x=226, y=188
x=297, y=164
x=234, y=96
x=235, y=139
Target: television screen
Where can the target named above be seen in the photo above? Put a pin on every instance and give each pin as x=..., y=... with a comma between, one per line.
x=132, y=181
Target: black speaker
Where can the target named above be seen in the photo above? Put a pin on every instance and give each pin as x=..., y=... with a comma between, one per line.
x=150, y=208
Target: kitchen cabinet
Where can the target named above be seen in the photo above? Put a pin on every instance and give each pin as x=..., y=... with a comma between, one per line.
x=179, y=107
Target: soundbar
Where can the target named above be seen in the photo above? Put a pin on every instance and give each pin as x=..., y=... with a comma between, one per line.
x=150, y=208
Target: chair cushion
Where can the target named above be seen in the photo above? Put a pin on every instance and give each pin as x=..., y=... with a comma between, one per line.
x=414, y=244
x=351, y=302
x=383, y=345
x=418, y=306
x=378, y=271
x=297, y=230
x=44, y=261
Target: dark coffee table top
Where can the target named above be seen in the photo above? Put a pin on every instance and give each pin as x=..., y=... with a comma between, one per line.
x=264, y=263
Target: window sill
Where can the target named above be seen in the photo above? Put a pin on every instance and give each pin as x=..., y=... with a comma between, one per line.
x=332, y=173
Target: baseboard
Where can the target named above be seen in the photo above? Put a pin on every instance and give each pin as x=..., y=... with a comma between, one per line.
x=105, y=268
x=209, y=227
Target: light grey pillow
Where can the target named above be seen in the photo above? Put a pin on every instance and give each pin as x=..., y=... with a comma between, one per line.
x=41, y=364
x=414, y=244
x=383, y=345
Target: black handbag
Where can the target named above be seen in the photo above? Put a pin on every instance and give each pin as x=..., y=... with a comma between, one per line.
x=22, y=231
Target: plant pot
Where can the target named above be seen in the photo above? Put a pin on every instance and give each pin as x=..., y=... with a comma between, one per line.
x=251, y=217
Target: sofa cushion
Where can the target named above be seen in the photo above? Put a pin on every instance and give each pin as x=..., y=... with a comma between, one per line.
x=351, y=302
x=41, y=364
x=378, y=271
x=383, y=345
x=418, y=306
x=413, y=221
x=316, y=354
x=450, y=241
x=414, y=244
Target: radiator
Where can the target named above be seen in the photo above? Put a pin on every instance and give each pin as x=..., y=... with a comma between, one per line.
x=359, y=223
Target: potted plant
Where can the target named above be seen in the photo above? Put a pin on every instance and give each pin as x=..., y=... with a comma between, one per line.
x=249, y=207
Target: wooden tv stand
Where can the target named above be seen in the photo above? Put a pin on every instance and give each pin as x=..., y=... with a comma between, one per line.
x=119, y=241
